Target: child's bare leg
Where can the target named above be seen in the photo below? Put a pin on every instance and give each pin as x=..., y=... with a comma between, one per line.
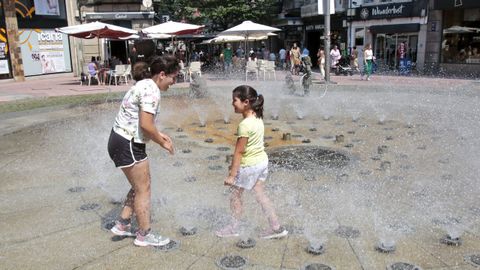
x=236, y=203
x=266, y=205
x=139, y=177
x=127, y=210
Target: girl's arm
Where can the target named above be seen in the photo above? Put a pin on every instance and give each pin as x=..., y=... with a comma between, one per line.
x=147, y=124
x=237, y=157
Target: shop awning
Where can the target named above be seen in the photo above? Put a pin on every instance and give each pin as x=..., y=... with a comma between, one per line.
x=395, y=28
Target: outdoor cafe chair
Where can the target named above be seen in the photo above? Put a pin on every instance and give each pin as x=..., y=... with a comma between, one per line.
x=182, y=72
x=270, y=69
x=251, y=68
x=89, y=76
x=195, y=67
x=117, y=73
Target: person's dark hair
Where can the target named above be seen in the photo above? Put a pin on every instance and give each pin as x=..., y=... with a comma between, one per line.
x=244, y=92
x=166, y=63
x=141, y=71
x=93, y=59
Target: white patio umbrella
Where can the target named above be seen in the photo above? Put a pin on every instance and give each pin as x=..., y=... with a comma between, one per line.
x=223, y=39
x=173, y=28
x=248, y=29
x=149, y=36
x=96, y=30
x=456, y=29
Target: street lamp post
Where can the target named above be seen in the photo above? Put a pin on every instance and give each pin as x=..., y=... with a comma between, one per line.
x=326, y=16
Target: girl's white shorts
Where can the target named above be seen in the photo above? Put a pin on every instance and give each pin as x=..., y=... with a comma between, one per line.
x=248, y=176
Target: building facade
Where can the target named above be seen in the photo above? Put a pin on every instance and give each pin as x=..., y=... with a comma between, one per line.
x=395, y=29
x=453, y=37
x=42, y=50
x=126, y=13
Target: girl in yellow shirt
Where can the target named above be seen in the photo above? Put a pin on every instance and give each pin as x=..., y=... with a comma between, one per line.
x=249, y=168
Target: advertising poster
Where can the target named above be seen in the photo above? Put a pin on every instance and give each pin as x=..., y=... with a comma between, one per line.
x=47, y=7
x=44, y=51
x=4, y=58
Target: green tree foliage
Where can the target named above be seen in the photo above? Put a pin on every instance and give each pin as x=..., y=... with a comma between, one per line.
x=219, y=14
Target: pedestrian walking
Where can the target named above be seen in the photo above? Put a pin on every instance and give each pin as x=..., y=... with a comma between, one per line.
x=134, y=126
x=367, y=61
x=249, y=168
x=321, y=61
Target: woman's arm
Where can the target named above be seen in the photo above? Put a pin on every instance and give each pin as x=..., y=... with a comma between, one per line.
x=237, y=157
x=147, y=124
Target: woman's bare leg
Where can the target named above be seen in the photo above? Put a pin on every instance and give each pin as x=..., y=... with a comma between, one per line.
x=139, y=177
x=266, y=205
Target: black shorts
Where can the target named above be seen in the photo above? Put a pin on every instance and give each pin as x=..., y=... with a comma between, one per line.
x=123, y=152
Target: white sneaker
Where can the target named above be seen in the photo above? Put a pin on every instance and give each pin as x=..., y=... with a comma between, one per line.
x=271, y=234
x=150, y=240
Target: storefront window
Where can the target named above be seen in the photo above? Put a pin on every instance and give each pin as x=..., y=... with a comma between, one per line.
x=461, y=36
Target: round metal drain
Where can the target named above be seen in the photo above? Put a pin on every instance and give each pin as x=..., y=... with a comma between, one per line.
x=382, y=149
x=386, y=247
x=215, y=157
x=248, y=243
x=209, y=140
x=188, y=231
x=473, y=259
x=397, y=178
x=447, y=177
x=315, y=250
x=347, y=232
x=293, y=229
x=190, y=179
x=178, y=164
x=90, y=206
x=402, y=266
x=76, y=189
x=317, y=266
x=215, y=167
x=231, y=262
x=385, y=165
x=306, y=141
x=365, y=172
x=223, y=148
x=448, y=240
x=342, y=177
x=186, y=151
x=304, y=158
x=172, y=245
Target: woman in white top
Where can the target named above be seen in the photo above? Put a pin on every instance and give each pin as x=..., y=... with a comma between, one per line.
x=367, y=61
